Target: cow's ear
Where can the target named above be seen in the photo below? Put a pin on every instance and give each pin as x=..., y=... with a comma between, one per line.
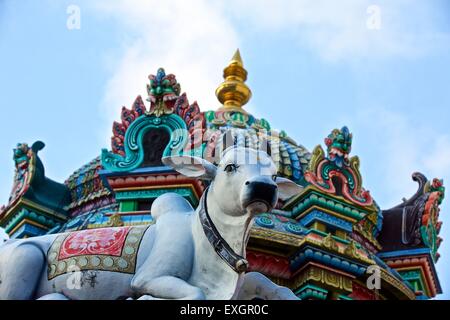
x=193, y=167
x=287, y=188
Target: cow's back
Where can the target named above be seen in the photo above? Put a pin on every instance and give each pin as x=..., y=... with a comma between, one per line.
x=88, y=264
x=102, y=270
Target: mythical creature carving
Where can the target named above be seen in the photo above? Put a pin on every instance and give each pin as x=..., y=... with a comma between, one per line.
x=336, y=173
x=415, y=222
x=23, y=155
x=339, y=146
x=163, y=91
x=30, y=182
x=25, y=161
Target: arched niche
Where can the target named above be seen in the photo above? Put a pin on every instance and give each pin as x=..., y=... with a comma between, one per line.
x=138, y=139
x=154, y=143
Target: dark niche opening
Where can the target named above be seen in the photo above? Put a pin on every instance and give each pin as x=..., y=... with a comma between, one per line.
x=337, y=182
x=145, y=205
x=154, y=143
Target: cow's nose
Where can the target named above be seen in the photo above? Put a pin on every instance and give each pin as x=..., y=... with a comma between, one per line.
x=260, y=184
x=262, y=191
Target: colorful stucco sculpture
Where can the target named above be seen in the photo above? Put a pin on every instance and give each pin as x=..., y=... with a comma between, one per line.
x=323, y=242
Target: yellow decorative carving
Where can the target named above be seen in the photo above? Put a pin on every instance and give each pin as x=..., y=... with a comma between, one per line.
x=317, y=156
x=275, y=236
x=319, y=275
x=298, y=241
x=329, y=243
x=354, y=164
x=367, y=234
x=351, y=250
x=115, y=220
x=397, y=284
x=160, y=109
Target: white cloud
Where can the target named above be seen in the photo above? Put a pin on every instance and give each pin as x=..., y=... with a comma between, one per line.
x=438, y=160
x=394, y=148
x=193, y=38
x=398, y=147
x=337, y=30
x=188, y=38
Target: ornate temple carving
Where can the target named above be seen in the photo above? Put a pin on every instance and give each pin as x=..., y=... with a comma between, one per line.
x=320, y=243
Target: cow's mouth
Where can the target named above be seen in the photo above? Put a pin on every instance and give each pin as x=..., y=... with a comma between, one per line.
x=257, y=207
x=260, y=197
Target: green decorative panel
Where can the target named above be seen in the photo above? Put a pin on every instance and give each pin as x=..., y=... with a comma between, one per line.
x=127, y=196
x=25, y=213
x=310, y=291
x=128, y=206
x=323, y=201
x=133, y=144
x=414, y=277
x=429, y=237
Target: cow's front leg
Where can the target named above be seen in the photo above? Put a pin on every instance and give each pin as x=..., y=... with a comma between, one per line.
x=254, y=285
x=166, y=287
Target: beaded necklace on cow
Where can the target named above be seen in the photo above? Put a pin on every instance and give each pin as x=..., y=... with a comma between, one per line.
x=222, y=248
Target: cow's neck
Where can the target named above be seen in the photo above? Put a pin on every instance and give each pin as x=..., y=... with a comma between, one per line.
x=217, y=279
x=233, y=229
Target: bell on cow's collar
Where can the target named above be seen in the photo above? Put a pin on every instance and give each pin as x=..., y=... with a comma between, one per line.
x=242, y=265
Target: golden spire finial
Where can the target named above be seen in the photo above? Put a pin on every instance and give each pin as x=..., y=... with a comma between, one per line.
x=233, y=93
x=237, y=58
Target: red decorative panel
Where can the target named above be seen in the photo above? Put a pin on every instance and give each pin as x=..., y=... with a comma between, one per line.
x=361, y=293
x=108, y=249
x=269, y=265
x=106, y=241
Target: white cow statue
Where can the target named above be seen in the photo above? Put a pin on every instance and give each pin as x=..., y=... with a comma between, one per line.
x=187, y=254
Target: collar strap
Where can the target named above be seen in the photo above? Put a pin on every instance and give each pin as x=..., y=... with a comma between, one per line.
x=222, y=248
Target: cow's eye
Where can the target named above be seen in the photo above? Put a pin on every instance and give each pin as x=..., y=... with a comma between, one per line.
x=231, y=168
x=274, y=177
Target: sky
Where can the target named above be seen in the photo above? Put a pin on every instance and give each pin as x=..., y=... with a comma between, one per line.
x=380, y=67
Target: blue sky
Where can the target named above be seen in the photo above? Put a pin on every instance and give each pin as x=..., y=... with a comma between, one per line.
x=313, y=66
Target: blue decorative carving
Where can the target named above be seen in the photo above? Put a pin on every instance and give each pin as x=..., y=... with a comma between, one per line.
x=133, y=144
x=295, y=228
x=327, y=219
x=265, y=222
x=313, y=254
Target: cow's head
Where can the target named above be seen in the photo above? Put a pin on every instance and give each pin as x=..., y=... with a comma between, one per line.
x=244, y=181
